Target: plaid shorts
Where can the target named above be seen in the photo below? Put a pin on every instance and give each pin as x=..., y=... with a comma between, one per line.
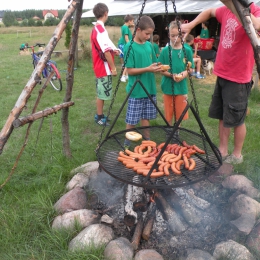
x=140, y=108
x=121, y=47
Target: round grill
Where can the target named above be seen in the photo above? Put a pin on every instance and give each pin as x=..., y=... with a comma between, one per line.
x=206, y=164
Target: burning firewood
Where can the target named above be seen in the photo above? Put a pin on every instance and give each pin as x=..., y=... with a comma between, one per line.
x=175, y=223
x=149, y=220
x=189, y=212
x=192, y=198
x=138, y=231
x=130, y=214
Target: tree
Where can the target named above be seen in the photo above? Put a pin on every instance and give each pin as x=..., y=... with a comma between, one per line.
x=68, y=34
x=31, y=22
x=9, y=18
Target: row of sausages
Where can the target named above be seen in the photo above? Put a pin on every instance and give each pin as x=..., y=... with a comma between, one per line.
x=174, y=157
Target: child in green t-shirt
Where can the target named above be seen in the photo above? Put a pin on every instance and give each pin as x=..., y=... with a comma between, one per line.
x=204, y=33
x=156, y=39
x=141, y=64
x=126, y=36
x=174, y=81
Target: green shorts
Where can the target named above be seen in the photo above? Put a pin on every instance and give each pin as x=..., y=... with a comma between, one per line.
x=104, y=87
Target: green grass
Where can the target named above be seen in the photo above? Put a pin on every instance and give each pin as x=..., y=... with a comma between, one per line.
x=26, y=209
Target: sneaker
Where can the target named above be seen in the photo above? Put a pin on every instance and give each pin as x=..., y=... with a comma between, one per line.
x=199, y=76
x=123, y=79
x=126, y=77
x=102, y=122
x=232, y=159
x=193, y=74
x=96, y=118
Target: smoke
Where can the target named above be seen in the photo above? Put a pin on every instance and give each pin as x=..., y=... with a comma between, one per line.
x=109, y=190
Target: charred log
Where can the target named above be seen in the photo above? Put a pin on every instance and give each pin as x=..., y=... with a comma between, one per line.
x=175, y=222
x=189, y=212
x=130, y=215
x=138, y=231
x=149, y=220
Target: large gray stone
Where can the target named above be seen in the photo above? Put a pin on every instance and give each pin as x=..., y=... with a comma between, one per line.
x=83, y=217
x=242, y=184
x=197, y=254
x=73, y=200
x=148, y=254
x=119, y=249
x=231, y=250
x=95, y=235
x=79, y=180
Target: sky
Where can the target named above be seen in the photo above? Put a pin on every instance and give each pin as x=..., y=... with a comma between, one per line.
x=20, y=5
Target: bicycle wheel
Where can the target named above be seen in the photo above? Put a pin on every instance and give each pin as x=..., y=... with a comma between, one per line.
x=55, y=81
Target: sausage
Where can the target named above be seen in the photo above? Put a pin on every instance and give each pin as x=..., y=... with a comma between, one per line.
x=182, y=150
x=135, y=155
x=173, y=167
x=154, y=151
x=149, y=149
x=135, y=168
x=173, y=147
x=160, y=169
x=170, y=156
x=149, y=142
x=177, y=158
x=141, y=170
x=164, y=156
x=198, y=150
x=122, y=154
x=186, y=162
x=177, y=149
x=192, y=164
x=166, y=169
x=160, y=146
x=178, y=164
x=147, y=159
x=154, y=174
x=186, y=145
x=141, y=148
x=136, y=148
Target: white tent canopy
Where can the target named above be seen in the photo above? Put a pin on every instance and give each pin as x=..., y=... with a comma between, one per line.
x=117, y=8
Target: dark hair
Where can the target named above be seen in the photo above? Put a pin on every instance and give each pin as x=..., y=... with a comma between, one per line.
x=206, y=23
x=146, y=22
x=156, y=38
x=128, y=18
x=99, y=10
x=189, y=38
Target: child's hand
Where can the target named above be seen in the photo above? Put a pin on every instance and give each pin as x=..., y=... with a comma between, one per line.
x=155, y=67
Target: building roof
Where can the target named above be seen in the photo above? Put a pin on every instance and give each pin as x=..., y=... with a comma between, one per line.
x=123, y=7
x=2, y=14
x=54, y=12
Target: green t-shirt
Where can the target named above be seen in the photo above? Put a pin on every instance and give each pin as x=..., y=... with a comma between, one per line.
x=204, y=33
x=156, y=49
x=140, y=56
x=178, y=66
x=186, y=45
x=125, y=31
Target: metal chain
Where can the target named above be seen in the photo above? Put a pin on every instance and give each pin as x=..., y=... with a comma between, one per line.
x=185, y=57
x=119, y=79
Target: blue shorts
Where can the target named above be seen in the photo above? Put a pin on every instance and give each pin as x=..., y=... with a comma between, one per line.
x=140, y=108
x=121, y=47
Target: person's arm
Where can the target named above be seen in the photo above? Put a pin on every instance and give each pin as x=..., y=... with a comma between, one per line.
x=110, y=62
x=152, y=68
x=126, y=38
x=202, y=17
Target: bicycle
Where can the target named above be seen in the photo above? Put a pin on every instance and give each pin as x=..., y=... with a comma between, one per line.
x=51, y=67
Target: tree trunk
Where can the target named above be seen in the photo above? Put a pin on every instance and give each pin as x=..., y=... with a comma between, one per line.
x=70, y=79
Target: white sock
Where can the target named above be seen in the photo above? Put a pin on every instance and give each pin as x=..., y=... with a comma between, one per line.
x=198, y=72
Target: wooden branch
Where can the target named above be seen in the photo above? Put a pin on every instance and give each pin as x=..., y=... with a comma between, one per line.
x=244, y=16
x=70, y=79
x=44, y=113
x=35, y=77
x=149, y=220
x=138, y=231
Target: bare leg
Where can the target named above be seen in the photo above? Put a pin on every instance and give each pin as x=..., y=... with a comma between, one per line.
x=100, y=105
x=145, y=122
x=239, y=137
x=224, y=134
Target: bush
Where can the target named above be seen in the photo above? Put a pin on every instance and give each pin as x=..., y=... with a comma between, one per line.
x=68, y=34
x=51, y=21
x=86, y=49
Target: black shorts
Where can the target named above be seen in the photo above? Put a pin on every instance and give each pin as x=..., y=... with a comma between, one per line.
x=229, y=102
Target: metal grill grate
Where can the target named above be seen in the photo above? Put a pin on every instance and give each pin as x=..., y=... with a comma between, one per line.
x=206, y=164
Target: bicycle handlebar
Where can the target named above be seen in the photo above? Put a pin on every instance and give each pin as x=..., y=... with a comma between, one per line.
x=37, y=44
